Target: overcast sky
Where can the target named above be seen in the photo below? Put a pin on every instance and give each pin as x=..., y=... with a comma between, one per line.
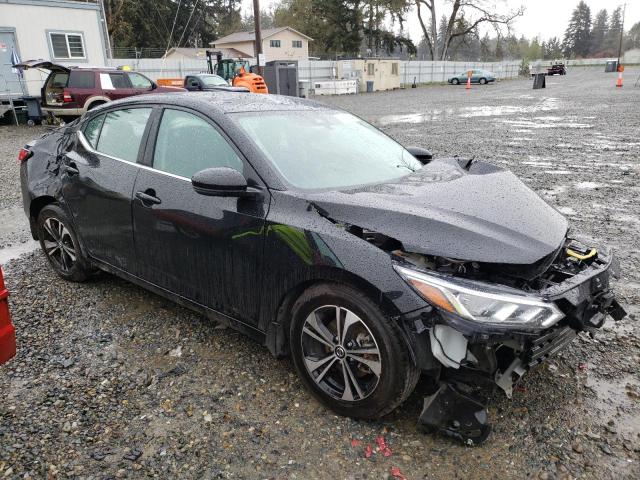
x=546, y=18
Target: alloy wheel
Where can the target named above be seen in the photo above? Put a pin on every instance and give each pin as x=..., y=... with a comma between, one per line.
x=340, y=353
x=58, y=244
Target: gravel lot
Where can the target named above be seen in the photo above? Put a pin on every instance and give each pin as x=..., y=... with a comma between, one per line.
x=113, y=381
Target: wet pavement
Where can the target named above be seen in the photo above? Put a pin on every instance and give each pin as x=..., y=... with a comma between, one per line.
x=100, y=389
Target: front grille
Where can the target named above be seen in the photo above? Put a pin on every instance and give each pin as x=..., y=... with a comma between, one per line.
x=548, y=344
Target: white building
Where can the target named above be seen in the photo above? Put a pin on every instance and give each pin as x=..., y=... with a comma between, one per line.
x=284, y=43
x=65, y=32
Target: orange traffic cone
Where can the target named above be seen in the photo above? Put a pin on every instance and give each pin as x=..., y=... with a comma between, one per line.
x=468, y=87
x=619, y=82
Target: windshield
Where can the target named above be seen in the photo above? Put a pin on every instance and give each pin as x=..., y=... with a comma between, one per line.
x=213, y=81
x=313, y=150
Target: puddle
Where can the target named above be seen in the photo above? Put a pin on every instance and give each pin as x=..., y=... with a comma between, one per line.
x=567, y=210
x=619, y=397
x=537, y=163
x=536, y=125
x=494, y=111
x=412, y=117
x=587, y=185
x=14, y=251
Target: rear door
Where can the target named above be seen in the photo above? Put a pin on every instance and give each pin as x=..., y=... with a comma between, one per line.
x=207, y=249
x=98, y=176
x=81, y=86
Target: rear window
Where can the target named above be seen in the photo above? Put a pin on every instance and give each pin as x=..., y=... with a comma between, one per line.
x=59, y=79
x=122, y=132
x=92, y=130
x=82, y=80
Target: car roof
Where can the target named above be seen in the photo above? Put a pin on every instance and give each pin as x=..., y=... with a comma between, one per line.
x=228, y=102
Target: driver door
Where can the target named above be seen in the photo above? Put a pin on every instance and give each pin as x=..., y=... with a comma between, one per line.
x=207, y=249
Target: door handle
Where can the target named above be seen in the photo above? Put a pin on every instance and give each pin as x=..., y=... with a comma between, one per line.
x=148, y=197
x=70, y=169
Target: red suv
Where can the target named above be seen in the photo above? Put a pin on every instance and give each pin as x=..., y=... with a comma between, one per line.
x=7, y=332
x=71, y=91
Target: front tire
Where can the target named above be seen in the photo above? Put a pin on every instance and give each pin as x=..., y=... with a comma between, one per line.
x=60, y=244
x=483, y=81
x=455, y=81
x=348, y=353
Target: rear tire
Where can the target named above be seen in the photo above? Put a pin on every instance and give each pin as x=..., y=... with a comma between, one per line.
x=60, y=244
x=483, y=81
x=455, y=81
x=365, y=374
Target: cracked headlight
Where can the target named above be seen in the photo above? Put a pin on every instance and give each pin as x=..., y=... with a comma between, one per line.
x=482, y=303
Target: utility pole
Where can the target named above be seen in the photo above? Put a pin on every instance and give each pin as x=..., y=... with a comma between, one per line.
x=258, y=41
x=624, y=9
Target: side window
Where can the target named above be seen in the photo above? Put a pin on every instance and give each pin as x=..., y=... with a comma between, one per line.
x=82, y=79
x=92, y=130
x=117, y=80
x=122, y=132
x=139, y=81
x=274, y=43
x=187, y=144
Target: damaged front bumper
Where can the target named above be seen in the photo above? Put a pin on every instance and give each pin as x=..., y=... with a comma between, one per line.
x=467, y=356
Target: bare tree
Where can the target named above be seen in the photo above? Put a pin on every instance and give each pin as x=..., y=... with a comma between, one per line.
x=466, y=16
x=430, y=37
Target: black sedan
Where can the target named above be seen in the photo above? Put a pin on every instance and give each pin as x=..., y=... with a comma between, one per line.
x=324, y=239
x=207, y=82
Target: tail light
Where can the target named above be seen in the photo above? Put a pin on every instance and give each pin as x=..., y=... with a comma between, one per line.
x=66, y=97
x=24, y=155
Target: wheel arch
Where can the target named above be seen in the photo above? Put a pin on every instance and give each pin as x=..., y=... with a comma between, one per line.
x=91, y=102
x=35, y=207
x=277, y=335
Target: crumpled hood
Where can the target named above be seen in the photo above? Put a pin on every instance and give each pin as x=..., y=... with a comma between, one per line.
x=484, y=214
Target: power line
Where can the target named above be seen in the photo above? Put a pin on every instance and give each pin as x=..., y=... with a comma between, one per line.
x=175, y=19
x=187, y=24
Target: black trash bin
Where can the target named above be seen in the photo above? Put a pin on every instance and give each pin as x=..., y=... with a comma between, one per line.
x=34, y=110
x=539, y=80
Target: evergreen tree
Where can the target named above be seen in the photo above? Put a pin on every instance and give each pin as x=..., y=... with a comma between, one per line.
x=554, y=49
x=612, y=40
x=599, y=32
x=633, y=37
x=486, y=55
x=577, y=37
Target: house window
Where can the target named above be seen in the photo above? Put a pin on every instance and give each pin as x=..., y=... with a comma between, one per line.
x=67, y=45
x=394, y=69
x=274, y=43
x=296, y=43
x=370, y=68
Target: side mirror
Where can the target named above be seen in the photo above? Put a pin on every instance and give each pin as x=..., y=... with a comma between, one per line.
x=219, y=181
x=423, y=155
x=154, y=85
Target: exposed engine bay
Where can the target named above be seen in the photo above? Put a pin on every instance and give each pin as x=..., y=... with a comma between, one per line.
x=466, y=356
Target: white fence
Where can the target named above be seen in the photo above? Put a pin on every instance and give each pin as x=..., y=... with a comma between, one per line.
x=318, y=70
x=435, y=72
